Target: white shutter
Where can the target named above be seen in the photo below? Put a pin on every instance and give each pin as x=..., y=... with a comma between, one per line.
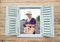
x=11, y=20
x=48, y=21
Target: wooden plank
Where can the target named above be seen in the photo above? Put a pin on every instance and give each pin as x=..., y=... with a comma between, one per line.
x=25, y=1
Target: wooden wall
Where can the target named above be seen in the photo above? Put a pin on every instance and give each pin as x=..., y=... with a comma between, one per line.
x=4, y=3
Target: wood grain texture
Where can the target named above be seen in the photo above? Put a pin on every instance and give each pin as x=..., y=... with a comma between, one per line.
x=4, y=3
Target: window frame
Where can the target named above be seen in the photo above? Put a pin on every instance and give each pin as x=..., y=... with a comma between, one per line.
x=29, y=35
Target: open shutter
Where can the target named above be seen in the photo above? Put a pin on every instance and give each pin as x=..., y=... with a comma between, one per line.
x=48, y=21
x=11, y=20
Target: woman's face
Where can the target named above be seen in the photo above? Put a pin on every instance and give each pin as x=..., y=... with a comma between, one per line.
x=29, y=15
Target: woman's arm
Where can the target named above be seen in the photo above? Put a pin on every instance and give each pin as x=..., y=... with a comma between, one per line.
x=33, y=21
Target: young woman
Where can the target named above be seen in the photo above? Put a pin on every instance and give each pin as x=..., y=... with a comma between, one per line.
x=29, y=26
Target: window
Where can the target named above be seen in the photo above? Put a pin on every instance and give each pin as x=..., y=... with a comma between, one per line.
x=30, y=21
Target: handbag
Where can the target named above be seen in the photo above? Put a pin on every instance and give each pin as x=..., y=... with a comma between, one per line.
x=28, y=30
